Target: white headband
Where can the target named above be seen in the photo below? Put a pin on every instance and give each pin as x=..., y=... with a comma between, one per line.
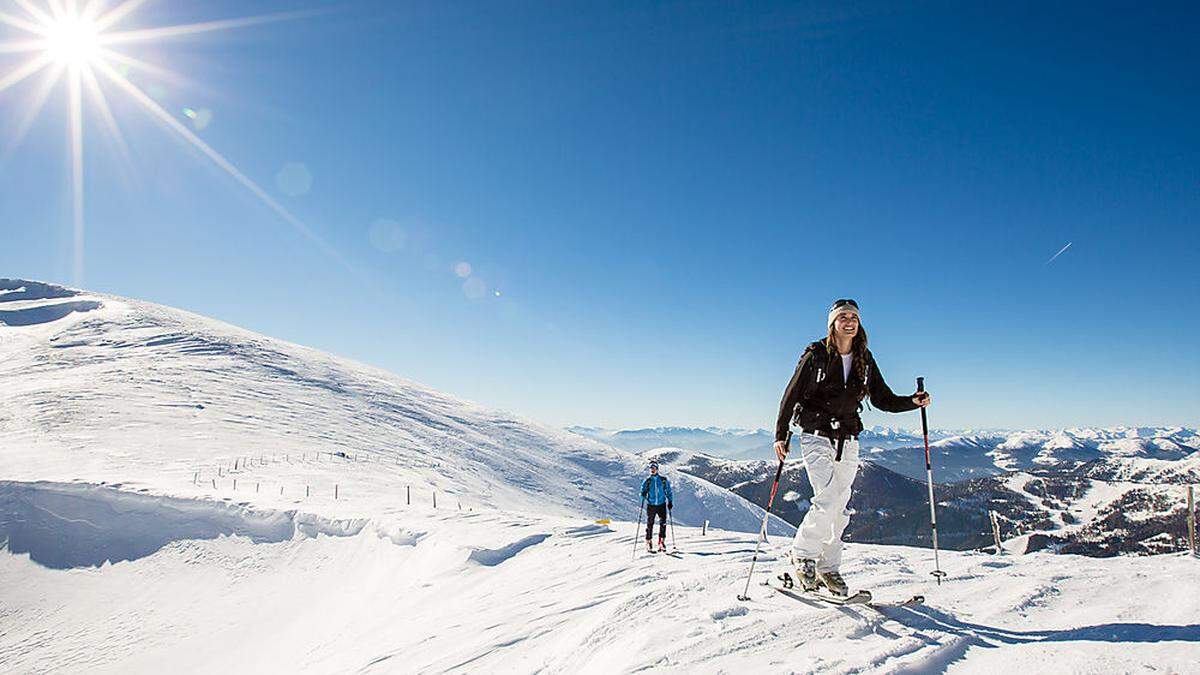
x=835, y=311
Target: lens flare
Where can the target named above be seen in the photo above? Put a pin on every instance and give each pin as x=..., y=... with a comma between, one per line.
x=71, y=42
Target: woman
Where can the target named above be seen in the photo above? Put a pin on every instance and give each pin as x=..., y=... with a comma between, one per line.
x=823, y=400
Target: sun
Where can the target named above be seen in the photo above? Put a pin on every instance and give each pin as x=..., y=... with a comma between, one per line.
x=74, y=41
x=78, y=43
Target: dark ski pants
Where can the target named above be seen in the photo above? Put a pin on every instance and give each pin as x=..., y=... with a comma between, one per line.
x=661, y=511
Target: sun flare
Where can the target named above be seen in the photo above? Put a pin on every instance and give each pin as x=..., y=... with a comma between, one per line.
x=77, y=42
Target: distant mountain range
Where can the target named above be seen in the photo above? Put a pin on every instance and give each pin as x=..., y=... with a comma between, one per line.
x=956, y=455
x=1090, y=491
x=1101, y=508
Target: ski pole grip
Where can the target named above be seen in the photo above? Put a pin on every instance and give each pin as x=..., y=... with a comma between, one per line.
x=787, y=442
x=920, y=384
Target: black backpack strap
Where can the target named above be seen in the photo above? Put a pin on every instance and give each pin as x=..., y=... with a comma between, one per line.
x=814, y=352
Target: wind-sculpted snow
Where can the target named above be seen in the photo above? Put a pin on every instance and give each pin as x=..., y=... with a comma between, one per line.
x=15, y=290
x=68, y=525
x=136, y=393
x=490, y=557
x=498, y=592
x=44, y=313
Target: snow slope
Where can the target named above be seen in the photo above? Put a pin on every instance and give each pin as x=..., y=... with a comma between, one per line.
x=101, y=389
x=448, y=591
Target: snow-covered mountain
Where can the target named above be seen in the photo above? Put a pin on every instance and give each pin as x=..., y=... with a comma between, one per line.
x=967, y=455
x=730, y=443
x=101, y=389
x=1090, y=509
x=957, y=454
x=179, y=494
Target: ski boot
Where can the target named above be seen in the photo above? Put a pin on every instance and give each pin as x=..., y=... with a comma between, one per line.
x=806, y=572
x=649, y=546
x=662, y=545
x=834, y=582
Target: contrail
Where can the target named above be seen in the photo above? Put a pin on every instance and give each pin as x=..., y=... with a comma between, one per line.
x=1060, y=252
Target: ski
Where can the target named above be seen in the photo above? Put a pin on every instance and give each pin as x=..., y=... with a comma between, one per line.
x=856, y=598
x=908, y=602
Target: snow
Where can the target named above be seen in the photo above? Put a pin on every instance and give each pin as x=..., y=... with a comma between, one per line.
x=497, y=592
x=154, y=398
x=120, y=554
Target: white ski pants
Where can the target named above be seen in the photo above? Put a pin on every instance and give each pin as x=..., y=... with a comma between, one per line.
x=820, y=535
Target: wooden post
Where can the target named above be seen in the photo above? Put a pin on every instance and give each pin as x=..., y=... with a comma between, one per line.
x=996, y=531
x=408, y=494
x=1191, y=520
x=235, y=485
x=306, y=490
x=280, y=489
x=195, y=477
x=256, y=486
x=220, y=472
x=335, y=491
x=704, y=528
x=214, y=483
x=435, y=499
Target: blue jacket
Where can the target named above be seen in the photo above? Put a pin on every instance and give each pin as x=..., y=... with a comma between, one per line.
x=657, y=490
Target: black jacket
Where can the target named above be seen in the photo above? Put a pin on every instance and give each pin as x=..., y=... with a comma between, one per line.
x=818, y=394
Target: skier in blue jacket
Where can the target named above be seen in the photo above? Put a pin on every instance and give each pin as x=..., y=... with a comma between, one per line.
x=656, y=490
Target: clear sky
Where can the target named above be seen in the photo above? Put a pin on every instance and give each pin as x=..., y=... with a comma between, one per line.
x=656, y=201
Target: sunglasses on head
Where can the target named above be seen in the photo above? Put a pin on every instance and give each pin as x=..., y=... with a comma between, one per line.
x=843, y=302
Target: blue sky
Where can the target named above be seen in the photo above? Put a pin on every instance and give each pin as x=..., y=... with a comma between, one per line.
x=667, y=197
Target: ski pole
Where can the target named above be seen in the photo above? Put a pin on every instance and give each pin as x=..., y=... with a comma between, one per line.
x=937, y=566
x=671, y=522
x=762, y=532
x=638, y=530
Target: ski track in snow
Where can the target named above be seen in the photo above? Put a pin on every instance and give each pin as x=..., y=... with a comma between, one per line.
x=123, y=426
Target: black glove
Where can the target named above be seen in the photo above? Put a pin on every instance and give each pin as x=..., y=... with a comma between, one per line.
x=669, y=506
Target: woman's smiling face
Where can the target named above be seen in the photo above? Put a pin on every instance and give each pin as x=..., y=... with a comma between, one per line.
x=846, y=324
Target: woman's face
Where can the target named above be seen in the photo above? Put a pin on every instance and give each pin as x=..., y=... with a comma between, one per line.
x=846, y=324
